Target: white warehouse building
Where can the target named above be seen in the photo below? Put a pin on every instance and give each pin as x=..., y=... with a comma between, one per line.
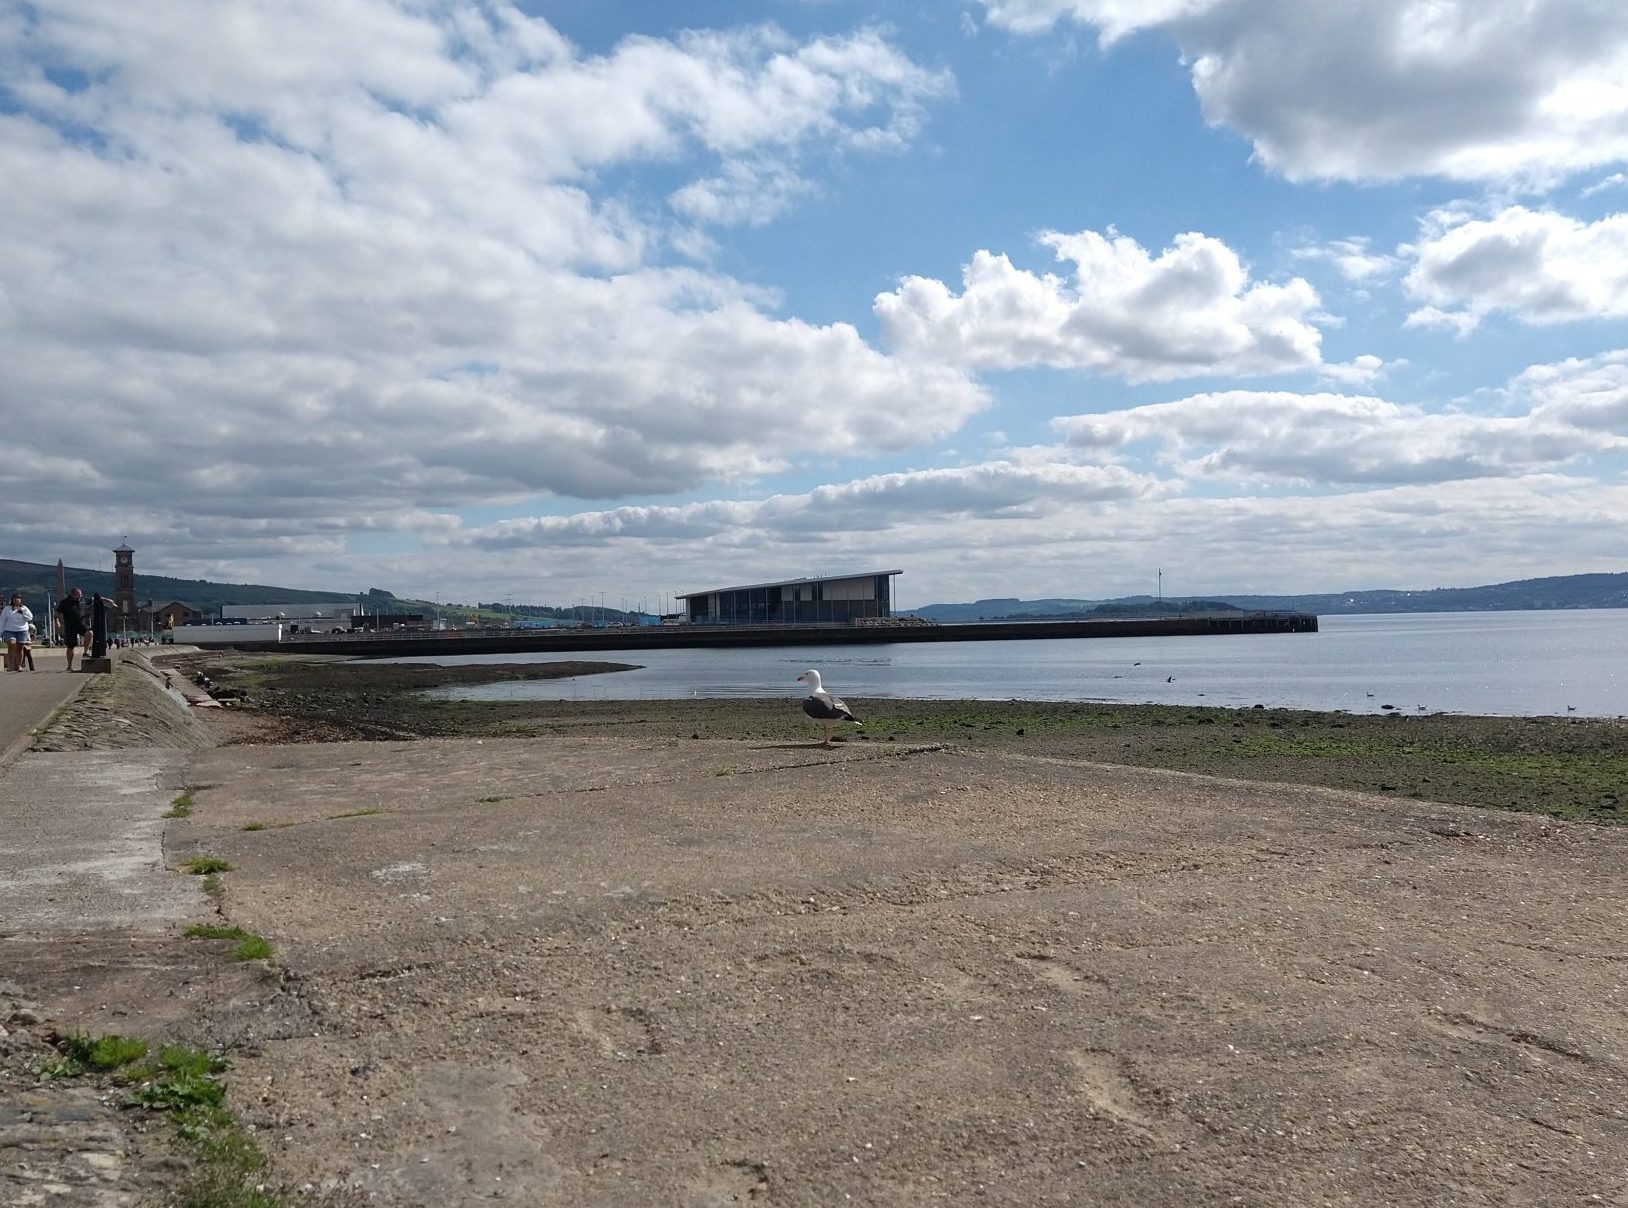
x=318, y=610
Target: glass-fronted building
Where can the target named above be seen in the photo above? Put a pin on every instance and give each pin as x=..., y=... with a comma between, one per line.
x=826, y=599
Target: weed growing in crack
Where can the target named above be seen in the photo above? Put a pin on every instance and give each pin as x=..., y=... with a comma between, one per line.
x=183, y=1084
x=83, y=1053
x=250, y=947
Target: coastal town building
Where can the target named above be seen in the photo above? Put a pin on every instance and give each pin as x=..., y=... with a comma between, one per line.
x=150, y=616
x=835, y=599
x=335, y=612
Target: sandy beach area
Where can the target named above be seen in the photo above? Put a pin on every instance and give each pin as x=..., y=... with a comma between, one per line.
x=684, y=955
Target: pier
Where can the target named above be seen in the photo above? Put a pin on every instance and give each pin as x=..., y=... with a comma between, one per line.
x=447, y=643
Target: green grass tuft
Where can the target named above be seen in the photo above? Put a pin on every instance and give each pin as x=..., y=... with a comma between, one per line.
x=250, y=947
x=184, y=1084
x=181, y=807
x=83, y=1053
x=201, y=866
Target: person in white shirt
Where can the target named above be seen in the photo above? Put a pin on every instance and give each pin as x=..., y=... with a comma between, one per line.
x=14, y=622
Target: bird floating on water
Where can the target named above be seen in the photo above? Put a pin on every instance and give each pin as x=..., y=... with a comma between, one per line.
x=823, y=707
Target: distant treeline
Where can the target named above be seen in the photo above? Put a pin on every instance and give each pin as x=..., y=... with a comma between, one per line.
x=37, y=581
x=1127, y=608
x=585, y=614
x=1560, y=591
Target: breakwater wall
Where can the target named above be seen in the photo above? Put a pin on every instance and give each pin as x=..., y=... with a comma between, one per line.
x=569, y=641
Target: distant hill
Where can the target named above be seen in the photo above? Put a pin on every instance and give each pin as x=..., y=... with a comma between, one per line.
x=36, y=581
x=1561, y=591
x=1137, y=608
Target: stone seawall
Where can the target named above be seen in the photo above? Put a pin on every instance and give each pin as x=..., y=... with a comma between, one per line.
x=132, y=707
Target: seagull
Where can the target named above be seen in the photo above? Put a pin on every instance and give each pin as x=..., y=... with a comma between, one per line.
x=822, y=706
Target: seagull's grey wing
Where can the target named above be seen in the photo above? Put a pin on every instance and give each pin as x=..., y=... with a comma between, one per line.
x=826, y=707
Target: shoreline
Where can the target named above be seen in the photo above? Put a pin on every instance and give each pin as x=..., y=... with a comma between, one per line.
x=1565, y=767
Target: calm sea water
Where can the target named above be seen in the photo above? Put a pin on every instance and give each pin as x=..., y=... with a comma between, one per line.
x=1508, y=663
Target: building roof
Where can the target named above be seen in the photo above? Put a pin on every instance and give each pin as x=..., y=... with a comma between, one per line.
x=303, y=611
x=858, y=574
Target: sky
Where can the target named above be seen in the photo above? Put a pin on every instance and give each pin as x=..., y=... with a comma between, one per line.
x=608, y=300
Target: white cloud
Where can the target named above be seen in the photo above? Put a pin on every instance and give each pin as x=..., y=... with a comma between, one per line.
x=1485, y=90
x=1560, y=414
x=1354, y=258
x=1088, y=538
x=1536, y=265
x=360, y=277
x=1359, y=371
x=750, y=193
x=1430, y=498
x=1116, y=18
x=991, y=491
x=1190, y=310
x=1615, y=181
x=314, y=293
x=1411, y=535
x=1586, y=393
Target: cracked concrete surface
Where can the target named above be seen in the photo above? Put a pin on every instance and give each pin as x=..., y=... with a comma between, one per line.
x=593, y=972
x=569, y=971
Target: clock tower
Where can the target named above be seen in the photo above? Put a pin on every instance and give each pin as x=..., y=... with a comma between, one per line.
x=124, y=585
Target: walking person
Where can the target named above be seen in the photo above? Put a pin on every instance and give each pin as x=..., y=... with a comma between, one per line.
x=73, y=619
x=15, y=619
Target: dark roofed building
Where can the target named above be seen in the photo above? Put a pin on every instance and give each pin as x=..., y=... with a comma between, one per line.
x=825, y=599
x=166, y=616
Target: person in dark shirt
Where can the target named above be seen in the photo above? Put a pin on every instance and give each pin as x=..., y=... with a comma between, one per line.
x=74, y=620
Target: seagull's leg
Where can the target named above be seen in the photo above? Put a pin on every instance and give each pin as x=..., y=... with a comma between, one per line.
x=827, y=733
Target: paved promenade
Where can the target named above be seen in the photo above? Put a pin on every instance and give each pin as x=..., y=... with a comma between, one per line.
x=90, y=923
x=27, y=698
x=82, y=844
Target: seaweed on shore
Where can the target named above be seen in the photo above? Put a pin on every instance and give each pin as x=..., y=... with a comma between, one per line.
x=1574, y=768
